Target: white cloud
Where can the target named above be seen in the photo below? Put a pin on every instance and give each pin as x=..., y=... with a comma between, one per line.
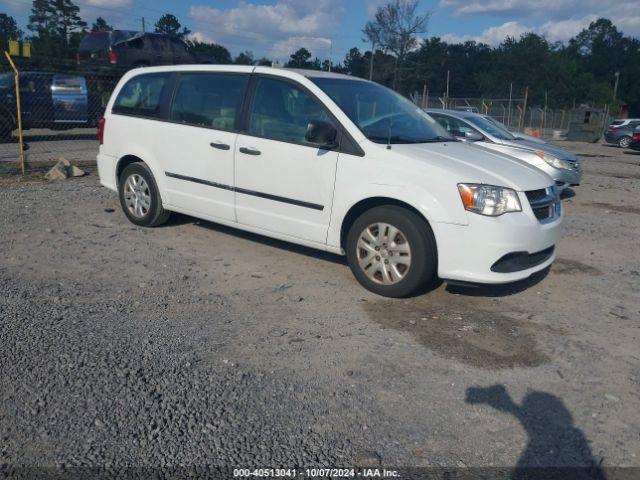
x=275, y=30
x=563, y=30
x=562, y=18
x=521, y=8
x=491, y=36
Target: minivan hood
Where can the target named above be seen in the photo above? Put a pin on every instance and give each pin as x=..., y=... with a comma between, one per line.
x=477, y=164
x=558, y=152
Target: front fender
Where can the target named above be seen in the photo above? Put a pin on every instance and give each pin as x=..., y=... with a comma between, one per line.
x=437, y=205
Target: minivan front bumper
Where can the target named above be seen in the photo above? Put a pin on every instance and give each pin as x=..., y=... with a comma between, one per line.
x=472, y=253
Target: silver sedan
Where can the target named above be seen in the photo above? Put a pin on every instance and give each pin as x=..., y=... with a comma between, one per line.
x=560, y=164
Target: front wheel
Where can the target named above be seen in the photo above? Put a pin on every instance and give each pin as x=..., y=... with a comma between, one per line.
x=139, y=196
x=624, y=142
x=392, y=251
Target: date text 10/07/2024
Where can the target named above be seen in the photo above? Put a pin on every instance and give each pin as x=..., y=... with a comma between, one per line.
x=315, y=473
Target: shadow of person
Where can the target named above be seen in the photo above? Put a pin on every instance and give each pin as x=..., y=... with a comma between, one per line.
x=555, y=448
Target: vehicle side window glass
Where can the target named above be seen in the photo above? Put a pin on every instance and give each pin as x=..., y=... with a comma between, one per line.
x=454, y=126
x=209, y=100
x=68, y=84
x=282, y=111
x=141, y=95
x=178, y=45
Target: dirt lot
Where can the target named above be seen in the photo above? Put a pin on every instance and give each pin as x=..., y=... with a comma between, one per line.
x=196, y=344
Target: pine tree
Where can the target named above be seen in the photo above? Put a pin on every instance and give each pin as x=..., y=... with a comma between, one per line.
x=169, y=24
x=101, y=25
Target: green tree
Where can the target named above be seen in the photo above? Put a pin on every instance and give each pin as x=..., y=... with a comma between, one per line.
x=57, y=28
x=101, y=25
x=300, y=59
x=8, y=30
x=169, y=24
x=245, y=58
x=211, y=52
x=355, y=64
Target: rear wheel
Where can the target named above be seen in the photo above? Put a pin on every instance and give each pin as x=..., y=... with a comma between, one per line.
x=624, y=142
x=139, y=196
x=392, y=251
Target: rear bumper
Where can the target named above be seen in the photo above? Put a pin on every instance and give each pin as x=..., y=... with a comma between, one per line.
x=469, y=253
x=107, y=171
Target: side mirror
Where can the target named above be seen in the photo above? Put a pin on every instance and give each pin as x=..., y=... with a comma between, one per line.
x=473, y=137
x=321, y=133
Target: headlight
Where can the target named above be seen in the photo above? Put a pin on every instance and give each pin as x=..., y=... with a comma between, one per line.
x=553, y=161
x=488, y=200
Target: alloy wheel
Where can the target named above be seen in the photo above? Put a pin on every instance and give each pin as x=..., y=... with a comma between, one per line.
x=137, y=196
x=384, y=253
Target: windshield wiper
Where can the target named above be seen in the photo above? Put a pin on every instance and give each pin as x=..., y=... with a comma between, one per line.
x=439, y=138
x=401, y=139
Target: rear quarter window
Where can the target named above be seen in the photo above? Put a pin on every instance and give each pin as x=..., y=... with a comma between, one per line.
x=68, y=84
x=94, y=41
x=142, y=95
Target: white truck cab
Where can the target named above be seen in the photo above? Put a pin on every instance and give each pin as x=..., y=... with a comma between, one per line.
x=328, y=161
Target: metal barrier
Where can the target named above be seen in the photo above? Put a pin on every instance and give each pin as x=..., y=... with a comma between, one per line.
x=45, y=115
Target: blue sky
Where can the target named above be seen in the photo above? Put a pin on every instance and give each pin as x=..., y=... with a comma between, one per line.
x=275, y=28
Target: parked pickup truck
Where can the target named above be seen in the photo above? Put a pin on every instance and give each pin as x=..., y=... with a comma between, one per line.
x=48, y=100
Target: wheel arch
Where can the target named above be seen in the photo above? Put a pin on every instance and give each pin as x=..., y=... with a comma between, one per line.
x=124, y=162
x=367, y=204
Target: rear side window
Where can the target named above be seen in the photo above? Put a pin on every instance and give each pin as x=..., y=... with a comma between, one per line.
x=95, y=41
x=68, y=84
x=208, y=100
x=142, y=95
x=617, y=122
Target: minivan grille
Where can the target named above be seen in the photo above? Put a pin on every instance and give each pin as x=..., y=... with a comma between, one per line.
x=545, y=203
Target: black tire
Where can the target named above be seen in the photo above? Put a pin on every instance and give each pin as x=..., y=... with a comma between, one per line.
x=623, y=142
x=424, y=256
x=155, y=215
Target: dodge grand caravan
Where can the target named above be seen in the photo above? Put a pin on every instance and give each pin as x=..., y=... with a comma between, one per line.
x=328, y=161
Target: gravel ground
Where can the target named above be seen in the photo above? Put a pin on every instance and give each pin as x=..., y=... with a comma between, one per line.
x=199, y=345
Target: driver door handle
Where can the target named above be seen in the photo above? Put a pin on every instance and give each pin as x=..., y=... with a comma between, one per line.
x=220, y=146
x=249, y=151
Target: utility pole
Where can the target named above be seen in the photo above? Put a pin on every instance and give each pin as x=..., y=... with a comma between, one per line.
x=544, y=115
x=447, y=97
x=524, y=110
x=424, y=95
x=509, y=110
x=615, y=86
x=373, y=49
x=143, y=26
x=330, y=53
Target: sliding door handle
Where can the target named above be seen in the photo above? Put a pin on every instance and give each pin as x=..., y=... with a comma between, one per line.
x=249, y=151
x=220, y=146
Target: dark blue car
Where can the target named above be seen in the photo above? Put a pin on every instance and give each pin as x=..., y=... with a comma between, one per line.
x=48, y=100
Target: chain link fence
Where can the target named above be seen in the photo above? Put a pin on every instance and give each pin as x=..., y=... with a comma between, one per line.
x=513, y=112
x=60, y=113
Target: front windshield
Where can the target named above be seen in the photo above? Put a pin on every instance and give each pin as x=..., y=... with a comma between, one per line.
x=382, y=114
x=500, y=126
x=490, y=127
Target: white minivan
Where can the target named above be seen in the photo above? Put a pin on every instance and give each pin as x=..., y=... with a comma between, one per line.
x=328, y=161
